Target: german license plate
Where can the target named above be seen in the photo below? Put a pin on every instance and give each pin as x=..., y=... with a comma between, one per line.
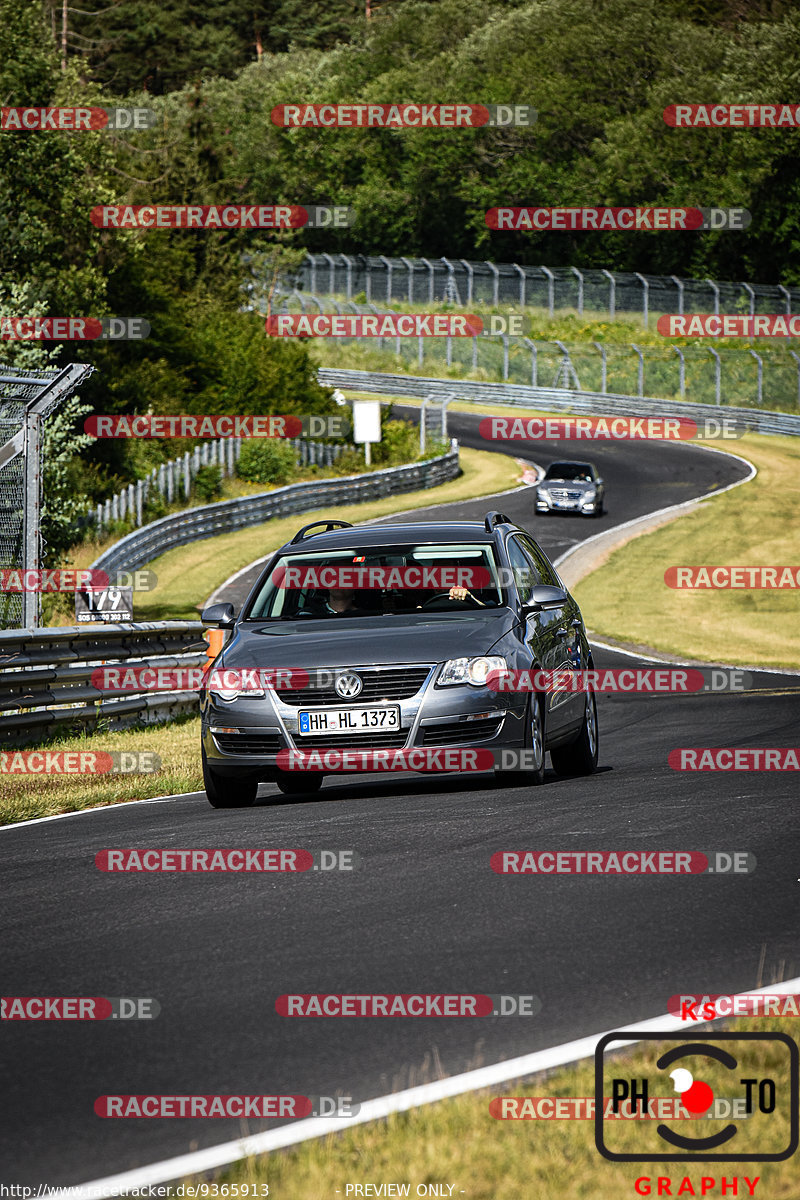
x=349, y=720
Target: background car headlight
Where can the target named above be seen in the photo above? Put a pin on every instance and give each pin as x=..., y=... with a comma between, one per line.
x=228, y=694
x=471, y=670
x=590, y=493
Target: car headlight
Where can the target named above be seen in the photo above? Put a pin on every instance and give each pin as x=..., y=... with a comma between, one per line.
x=471, y=670
x=543, y=493
x=229, y=694
x=590, y=493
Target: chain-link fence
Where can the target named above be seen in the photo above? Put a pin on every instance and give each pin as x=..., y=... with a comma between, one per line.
x=27, y=397
x=768, y=378
x=384, y=280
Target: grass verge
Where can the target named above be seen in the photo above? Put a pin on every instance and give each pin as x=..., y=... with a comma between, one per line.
x=189, y=574
x=23, y=797
x=457, y=1142
x=756, y=524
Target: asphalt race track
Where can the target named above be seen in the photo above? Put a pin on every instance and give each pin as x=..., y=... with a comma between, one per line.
x=424, y=913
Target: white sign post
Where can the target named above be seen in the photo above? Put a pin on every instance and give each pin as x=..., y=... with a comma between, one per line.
x=366, y=424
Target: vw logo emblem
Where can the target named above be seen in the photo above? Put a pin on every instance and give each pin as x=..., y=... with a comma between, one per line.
x=348, y=686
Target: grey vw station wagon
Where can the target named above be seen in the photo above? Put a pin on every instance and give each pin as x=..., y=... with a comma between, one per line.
x=391, y=667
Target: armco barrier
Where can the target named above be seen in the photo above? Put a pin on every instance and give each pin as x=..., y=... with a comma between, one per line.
x=193, y=524
x=45, y=675
x=556, y=399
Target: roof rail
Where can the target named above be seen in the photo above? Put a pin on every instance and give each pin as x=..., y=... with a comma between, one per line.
x=494, y=518
x=301, y=534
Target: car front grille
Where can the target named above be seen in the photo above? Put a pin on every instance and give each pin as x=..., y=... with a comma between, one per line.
x=563, y=494
x=390, y=740
x=457, y=733
x=249, y=743
x=380, y=683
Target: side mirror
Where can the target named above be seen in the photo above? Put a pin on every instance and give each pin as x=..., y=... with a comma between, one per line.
x=545, y=596
x=221, y=616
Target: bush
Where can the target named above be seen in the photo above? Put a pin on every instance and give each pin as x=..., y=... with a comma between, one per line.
x=264, y=460
x=208, y=483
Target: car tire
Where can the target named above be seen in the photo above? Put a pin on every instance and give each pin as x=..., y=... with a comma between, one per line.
x=228, y=791
x=580, y=756
x=534, y=737
x=304, y=783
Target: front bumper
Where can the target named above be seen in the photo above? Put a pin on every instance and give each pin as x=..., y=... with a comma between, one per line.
x=246, y=735
x=580, y=504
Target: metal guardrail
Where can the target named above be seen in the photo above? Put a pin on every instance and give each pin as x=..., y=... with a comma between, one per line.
x=194, y=524
x=45, y=676
x=557, y=399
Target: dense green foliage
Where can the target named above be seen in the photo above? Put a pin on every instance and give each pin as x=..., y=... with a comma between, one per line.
x=599, y=72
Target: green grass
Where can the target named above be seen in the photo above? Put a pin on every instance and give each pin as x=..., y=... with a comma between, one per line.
x=755, y=524
x=177, y=744
x=458, y=1142
x=661, y=364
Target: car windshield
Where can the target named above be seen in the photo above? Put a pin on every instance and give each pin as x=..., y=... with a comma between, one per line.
x=576, y=472
x=376, y=580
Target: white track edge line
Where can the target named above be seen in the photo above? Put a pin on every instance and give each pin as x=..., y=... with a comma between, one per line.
x=382, y=1106
x=116, y=806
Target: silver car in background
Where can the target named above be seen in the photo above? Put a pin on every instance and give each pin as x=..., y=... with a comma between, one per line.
x=571, y=487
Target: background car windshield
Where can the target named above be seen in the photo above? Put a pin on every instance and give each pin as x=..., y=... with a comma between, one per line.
x=573, y=471
x=376, y=580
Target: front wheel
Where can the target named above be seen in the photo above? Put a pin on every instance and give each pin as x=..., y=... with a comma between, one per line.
x=580, y=756
x=533, y=743
x=228, y=791
x=304, y=783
